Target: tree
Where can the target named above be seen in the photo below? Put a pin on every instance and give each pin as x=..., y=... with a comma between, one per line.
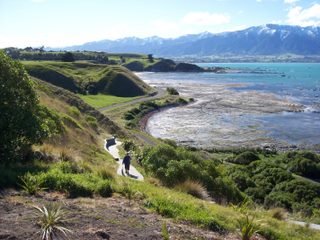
x=122, y=60
x=150, y=58
x=23, y=121
x=67, y=57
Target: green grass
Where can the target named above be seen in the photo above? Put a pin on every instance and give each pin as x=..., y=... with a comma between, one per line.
x=102, y=100
x=183, y=207
x=82, y=77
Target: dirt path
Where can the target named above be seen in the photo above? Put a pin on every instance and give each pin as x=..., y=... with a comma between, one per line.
x=304, y=224
x=133, y=173
x=160, y=93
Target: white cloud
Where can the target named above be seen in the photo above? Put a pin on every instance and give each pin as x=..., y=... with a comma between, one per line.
x=205, y=18
x=304, y=17
x=290, y=1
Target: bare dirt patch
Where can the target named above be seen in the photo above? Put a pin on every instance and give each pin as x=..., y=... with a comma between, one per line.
x=93, y=218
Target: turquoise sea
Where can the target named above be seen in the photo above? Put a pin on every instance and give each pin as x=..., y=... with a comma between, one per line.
x=298, y=83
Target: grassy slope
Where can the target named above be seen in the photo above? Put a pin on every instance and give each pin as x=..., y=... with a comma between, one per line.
x=83, y=134
x=82, y=76
x=101, y=100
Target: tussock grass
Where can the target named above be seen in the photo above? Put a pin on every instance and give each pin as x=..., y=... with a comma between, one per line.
x=106, y=173
x=279, y=213
x=193, y=188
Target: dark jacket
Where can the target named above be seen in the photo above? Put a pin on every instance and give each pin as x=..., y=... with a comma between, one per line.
x=126, y=161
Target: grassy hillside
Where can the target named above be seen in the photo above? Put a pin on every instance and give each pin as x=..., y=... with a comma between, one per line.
x=84, y=77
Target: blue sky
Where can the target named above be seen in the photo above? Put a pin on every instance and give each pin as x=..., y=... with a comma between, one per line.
x=68, y=22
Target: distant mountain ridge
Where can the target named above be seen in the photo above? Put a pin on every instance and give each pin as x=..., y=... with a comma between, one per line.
x=270, y=39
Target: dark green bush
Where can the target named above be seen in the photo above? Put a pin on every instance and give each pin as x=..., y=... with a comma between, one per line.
x=71, y=184
x=175, y=165
x=182, y=101
x=242, y=179
x=246, y=157
x=104, y=189
x=128, y=116
x=279, y=199
x=128, y=145
x=305, y=167
x=172, y=91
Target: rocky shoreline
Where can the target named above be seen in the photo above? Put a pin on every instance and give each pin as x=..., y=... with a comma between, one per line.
x=218, y=108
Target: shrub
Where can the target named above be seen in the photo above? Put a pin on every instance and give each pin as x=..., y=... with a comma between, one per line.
x=241, y=178
x=72, y=184
x=175, y=165
x=172, y=91
x=51, y=220
x=246, y=157
x=104, y=189
x=279, y=199
x=67, y=57
x=128, y=145
x=305, y=167
x=182, y=101
x=193, y=188
x=128, y=116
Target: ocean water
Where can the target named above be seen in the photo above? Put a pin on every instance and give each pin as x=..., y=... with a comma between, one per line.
x=243, y=90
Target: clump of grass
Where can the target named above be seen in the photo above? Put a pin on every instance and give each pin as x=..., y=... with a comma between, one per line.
x=92, y=121
x=127, y=191
x=71, y=122
x=193, y=188
x=51, y=220
x=164, y=231
x=106, y=173
x=30, y=184
x=74, y=185
x=154, y=181
x=279, y=213
x=74, y=111
x=65, y=155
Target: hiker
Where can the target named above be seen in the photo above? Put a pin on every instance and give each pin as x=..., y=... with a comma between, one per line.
x=126, y=161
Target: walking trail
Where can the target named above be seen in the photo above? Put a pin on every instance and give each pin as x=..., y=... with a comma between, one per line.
x=114, y=151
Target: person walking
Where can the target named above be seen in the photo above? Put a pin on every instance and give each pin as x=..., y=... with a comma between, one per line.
x=126, y=161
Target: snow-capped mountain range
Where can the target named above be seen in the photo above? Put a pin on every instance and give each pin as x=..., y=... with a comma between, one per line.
x=270, y=39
